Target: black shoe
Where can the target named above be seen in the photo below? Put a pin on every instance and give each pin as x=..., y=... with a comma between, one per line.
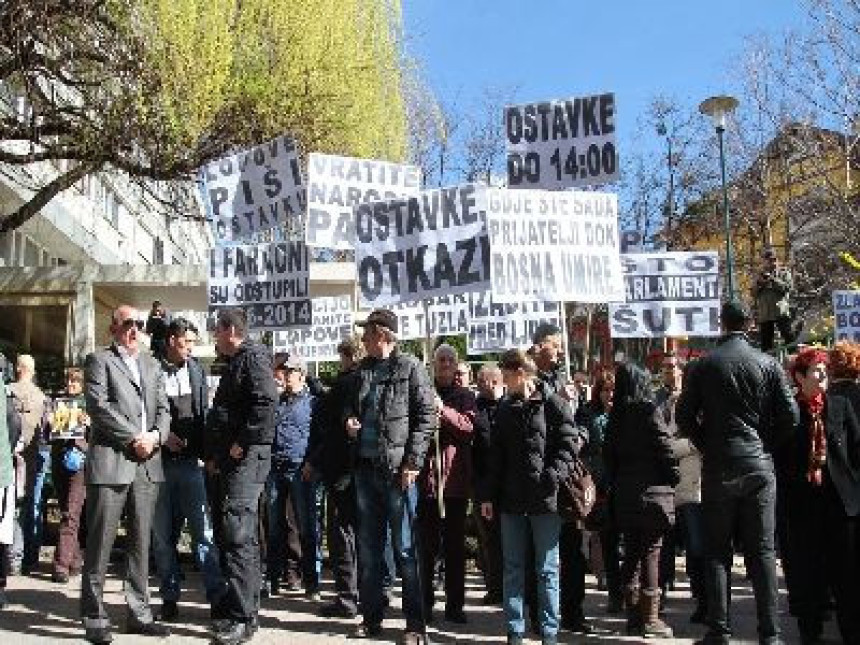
x=169, y=611
x=515, y=639
x=99, y=636
x=147, y=629
x=60, y=577
x=337, y=610
x=234, y=634
x=457, y=616
x=580, y=626
x=366, y=631
x=615, y=605
x=491, y=599
x=699, y=616
x=219, y=625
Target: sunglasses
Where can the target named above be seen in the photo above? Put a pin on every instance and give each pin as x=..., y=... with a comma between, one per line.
x=128, y=323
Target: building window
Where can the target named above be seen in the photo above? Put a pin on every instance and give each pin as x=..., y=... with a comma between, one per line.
x=7, y=249
x=32, y=253
x=157, y=251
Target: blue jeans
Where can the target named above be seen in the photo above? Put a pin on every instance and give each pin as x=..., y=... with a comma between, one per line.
x=544, y=531
x=182, y=497
x=28, y=533
x=285, y=485
x=382, y=503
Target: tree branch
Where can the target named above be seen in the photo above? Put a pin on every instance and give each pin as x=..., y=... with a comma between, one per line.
x=46, y=194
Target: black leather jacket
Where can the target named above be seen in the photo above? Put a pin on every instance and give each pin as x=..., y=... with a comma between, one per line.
x=737, y=407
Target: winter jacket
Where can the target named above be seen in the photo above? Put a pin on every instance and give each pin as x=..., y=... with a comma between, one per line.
x=533, y=449
x=641, y=469
x=689, y=488
x=331, y=451
x=485, y=425
x=745, y=404
x=594, y=420
x=293, y=418
x=553, y=379
x=842, y=426
x=243, y=409
x=405, y=408
x=772, y=296
x=456, y=428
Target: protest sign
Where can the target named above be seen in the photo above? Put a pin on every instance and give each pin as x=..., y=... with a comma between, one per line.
x=269, y=281
x=560, y=246
x=255, y=190
x=846, y=311
x=495, y=326
x=415, y=248
x=439, y=316
x=331, y=323
x=562, y=144
x=337, y=184
x=668, y=294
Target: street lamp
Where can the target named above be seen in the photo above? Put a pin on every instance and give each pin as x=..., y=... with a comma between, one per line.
x=718, y=108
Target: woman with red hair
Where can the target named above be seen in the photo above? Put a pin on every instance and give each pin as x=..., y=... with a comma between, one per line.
x=823, y=494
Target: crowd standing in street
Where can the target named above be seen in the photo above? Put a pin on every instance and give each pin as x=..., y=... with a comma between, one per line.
x=388, y=461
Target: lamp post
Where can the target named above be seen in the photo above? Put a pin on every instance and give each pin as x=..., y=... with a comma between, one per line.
x=718, y=108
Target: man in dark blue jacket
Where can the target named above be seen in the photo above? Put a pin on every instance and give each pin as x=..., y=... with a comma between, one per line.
x=183, y=495
x=286, y=484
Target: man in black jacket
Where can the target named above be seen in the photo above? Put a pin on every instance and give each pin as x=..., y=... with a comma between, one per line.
x=332, y=455
x=240, y=452
x=391, y=415
x=737, y=407
x=183, y=495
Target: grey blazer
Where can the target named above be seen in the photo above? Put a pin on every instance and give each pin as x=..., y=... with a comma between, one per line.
x=115, y=404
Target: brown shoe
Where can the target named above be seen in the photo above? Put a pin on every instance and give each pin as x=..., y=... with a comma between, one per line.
x=652, y=626
x=631, y=607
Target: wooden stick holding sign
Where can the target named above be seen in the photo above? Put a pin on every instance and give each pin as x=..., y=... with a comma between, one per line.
x=428, y=354
x=565, y=343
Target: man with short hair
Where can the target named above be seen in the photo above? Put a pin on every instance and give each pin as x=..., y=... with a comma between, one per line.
x=129, y=423
x=773, y=305
x=332, y=456
x=546, y=352
x=450, y=477
x=391, y=415
x=287, y=486
x=239, y=453
x=552, y=376
x=183, y=496
x=737, y=407
x=491, y=389
x=31, y=404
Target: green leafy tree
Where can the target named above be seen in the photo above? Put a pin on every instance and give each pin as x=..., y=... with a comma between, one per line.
x=155, y=88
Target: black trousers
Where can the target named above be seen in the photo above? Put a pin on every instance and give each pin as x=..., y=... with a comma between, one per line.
x=571, y=575
x=236, y=512
x=610, y=546
x=768, y=329
x=343, y=555
x=747, y=501
x=447, y=535
x=490, y=545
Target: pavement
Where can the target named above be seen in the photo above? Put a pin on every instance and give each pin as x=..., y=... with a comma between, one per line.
x=41, y=611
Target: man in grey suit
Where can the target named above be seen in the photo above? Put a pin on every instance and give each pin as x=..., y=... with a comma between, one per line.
x=130, y=420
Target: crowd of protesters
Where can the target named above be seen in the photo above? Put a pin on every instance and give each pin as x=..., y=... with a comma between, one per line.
x=729, y=452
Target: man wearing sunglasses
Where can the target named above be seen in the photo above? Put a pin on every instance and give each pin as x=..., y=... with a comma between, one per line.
x=130, y=420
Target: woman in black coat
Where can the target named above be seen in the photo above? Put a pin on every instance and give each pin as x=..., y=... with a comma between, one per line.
x=533, y=449
x=823, y=492
x=641, y=473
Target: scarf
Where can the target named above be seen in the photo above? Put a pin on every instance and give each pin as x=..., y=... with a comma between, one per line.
x=817, y=437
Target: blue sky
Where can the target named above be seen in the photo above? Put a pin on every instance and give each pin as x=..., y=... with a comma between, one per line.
x=549, y=49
